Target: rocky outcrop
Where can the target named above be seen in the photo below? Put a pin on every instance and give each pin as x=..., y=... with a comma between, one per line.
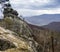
x=11, y=43
x=4, y=45
x=21, y=29
x=15, y=30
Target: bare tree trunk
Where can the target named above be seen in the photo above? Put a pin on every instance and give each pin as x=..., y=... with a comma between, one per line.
x=45, y=36
x=44, y=44
x=52, y=44
x=52, y=40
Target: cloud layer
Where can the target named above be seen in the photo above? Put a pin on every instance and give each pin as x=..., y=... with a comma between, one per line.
x=36, y=7
x=35, y=4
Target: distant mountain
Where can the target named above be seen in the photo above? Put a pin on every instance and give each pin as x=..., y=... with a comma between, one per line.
x=53, y=26
x=43, y=19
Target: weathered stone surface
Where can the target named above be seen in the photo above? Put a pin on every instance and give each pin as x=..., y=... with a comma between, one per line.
x=18, y=44
x=21, y=29
x=4, y=44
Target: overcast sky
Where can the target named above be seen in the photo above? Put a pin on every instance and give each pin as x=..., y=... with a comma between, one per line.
x=36, y=7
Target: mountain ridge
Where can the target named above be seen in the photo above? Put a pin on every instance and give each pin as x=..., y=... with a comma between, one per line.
x=44, y=19
x=19, y=43
x=53, y=26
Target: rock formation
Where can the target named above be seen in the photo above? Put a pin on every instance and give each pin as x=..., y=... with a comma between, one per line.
x=16, y=34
